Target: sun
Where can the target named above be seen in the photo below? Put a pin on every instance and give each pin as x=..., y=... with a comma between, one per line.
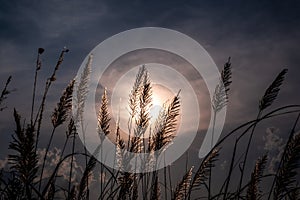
x=157, y=105
x=160, y=96
x=157, y=97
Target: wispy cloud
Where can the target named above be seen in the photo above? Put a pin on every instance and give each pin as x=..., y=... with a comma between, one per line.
x=274, y=145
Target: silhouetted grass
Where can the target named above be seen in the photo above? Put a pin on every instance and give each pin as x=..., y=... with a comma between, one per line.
x=26, y=178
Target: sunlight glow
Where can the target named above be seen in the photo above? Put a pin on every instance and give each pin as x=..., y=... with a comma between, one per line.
x=157, y=105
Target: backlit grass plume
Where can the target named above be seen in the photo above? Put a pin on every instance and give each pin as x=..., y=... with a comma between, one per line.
x=134, y=94
x=58, y=117
x=145, y=103
x=286, y=178
x=202, y=174
x=81, y=85
x=140, y=102
x=165, y=125
x=24, y=161
x=183, y=186
x=253, y=191
x=83, y=191
x=64, y=106
x=103, y=117
x=220, y=97
x=272, y=91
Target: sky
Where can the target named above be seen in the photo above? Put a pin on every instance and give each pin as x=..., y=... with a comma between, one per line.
x=261, y=37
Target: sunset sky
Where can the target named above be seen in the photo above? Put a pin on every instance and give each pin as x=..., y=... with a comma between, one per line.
x=261, y=37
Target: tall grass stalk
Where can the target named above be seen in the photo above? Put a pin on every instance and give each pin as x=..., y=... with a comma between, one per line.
x=253, y=191
x=219, y=101
x=39, y=115
x=37, y=68
x=58, y=118
x=71, y=165
x=283, y=157
x=266, y=101
x=103, y=128
x=79, y=102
